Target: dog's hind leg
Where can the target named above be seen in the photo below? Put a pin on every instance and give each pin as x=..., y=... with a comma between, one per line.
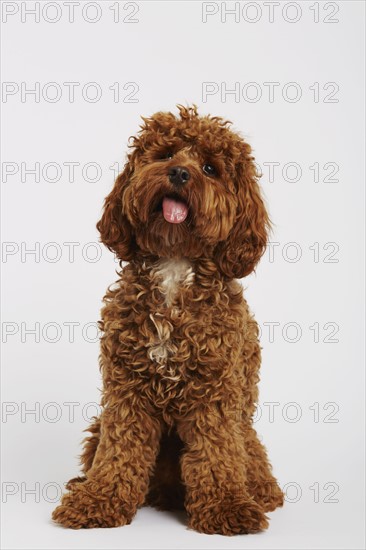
x=262, y=485
x=87, y=456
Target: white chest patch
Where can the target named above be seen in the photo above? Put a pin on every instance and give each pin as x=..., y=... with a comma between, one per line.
x=172, y=275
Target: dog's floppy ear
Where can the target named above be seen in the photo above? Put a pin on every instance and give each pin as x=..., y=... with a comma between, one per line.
x=238, y=255
x=115, y=229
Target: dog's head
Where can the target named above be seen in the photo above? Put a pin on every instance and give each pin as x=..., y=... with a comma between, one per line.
x=189, y=189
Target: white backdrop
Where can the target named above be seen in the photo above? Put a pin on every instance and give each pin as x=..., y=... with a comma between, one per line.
x=290, y=76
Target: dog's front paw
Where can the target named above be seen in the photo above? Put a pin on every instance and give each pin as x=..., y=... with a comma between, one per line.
x=229, y=516
x=83, y=509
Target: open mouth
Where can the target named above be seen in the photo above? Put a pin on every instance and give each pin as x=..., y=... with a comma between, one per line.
x=174, y=208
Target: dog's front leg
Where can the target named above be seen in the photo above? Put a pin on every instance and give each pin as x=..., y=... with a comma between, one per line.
x=117, y=481
x=214, y=473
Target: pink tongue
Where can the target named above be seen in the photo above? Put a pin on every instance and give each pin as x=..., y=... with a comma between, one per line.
x=174, y=211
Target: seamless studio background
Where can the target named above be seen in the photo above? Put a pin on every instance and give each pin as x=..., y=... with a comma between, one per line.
x=76, y=79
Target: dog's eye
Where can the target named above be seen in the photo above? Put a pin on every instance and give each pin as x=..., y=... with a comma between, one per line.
x=209, y=169
x=168, y=155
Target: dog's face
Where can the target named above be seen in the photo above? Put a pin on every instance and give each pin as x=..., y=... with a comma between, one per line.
x=189, y=189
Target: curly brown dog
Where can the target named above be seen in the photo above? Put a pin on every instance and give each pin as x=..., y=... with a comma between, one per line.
x=180, y=355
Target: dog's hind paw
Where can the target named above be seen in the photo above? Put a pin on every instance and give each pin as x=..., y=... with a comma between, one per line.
x=70, y=484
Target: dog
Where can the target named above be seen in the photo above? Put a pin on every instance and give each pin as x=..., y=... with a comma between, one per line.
x=180, y=355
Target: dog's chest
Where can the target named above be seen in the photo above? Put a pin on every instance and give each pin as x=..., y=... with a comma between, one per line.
x=171, y=279
x=172, y=276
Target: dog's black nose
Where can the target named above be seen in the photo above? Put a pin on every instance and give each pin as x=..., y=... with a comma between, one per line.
x=178, y=175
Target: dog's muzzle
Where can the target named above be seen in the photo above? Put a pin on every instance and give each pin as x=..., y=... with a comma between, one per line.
x=178, y=175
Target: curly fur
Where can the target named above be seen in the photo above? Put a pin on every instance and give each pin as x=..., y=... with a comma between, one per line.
x=180, y=355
